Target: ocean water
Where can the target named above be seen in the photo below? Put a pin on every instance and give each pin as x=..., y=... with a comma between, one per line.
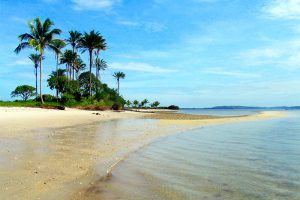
x=220, y=112
x=258, y=160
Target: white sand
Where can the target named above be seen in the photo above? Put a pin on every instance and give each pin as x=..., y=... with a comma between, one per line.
x=14, y=120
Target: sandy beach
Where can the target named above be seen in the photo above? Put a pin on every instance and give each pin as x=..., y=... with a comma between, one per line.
x=51, y=154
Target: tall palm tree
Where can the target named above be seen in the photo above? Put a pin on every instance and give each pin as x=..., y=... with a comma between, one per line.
x=118, y=76
x=74, y=39
x=79, y=65
x=100, y=65
x=102, y=47
x=68, y=58
x=35, y=58
x=90, y=42
x=59, y=44
x=40, y=37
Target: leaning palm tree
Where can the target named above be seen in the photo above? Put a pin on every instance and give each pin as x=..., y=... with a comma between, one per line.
x=100, y=65
x=40, y=37
x=59, y=44
x=90, y=42
x=74, y=39
x=35, y=58
x=118, y=76
x=68, y=58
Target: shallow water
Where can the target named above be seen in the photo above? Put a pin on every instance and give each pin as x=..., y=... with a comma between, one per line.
x=250, y=160
x=220, y=112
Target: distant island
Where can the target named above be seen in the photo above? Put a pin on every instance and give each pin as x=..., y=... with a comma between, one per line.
x=254, y=107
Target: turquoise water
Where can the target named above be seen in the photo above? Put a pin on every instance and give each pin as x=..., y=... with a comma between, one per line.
x=220, y=112
x=250, y=160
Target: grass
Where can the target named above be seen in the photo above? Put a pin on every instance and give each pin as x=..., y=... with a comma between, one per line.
x=57, y=105
x=29, y=103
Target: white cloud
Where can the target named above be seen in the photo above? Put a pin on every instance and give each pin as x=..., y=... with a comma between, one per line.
x=141, y=67
x=261, y=56
x=154, y=26
x=94, y=4
x=224, y=72
x=283, y=54
x=21, y=62
x=205, y=1
x=128, y=23
x=283, y=9
x=148, y=26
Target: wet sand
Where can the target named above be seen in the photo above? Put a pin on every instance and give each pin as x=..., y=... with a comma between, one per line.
x=49, y=154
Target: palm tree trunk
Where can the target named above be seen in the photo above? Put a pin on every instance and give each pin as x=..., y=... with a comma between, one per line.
x=57, y=77
x=36, y=82
x=70, y=72
x=118, y=86
x=97, y=55
x=91, y=64
x=73, y=73
x=41, y=93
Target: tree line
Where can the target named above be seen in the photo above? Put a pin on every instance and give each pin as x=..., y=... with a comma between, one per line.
x=71, y=83
x=43, y=36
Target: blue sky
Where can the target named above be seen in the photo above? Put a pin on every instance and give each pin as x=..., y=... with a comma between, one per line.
x=192, y=53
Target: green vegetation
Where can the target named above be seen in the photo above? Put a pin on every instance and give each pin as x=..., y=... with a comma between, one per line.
x=73, y=85
x=28, y=103
x=24, y=91
x=155, y=104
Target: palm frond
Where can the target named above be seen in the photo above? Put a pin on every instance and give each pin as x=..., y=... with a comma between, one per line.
x=47, y=25
x=22, y=46
x=25, y=36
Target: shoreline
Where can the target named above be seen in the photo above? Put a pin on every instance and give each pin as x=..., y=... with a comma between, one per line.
x=91, y=148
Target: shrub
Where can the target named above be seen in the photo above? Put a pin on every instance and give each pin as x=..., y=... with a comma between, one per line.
x=49, y=97
x=173, y=107
x=68, y=99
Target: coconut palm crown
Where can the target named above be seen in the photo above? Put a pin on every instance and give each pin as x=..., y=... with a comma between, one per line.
x=74, y=39
x=68, y=58
x=118, y=76
x=100, y=64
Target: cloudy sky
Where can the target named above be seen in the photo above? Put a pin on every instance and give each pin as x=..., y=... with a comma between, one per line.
x=192, y=53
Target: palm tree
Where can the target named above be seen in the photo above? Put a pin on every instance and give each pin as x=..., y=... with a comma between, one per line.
x=100, y=65
x=136, y=103
x=40, y=37
x=102, y=47
x=79, y=65
x=144, y=103
x=59, y=44
x=90, y=42
x=35, y=58
x=118, y=76
x=68, y=58
x=74, y=39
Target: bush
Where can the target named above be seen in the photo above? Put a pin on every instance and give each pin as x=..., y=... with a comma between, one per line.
x=116, y=106
x=173, y=107
x=68, y=99
x=49, y=97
